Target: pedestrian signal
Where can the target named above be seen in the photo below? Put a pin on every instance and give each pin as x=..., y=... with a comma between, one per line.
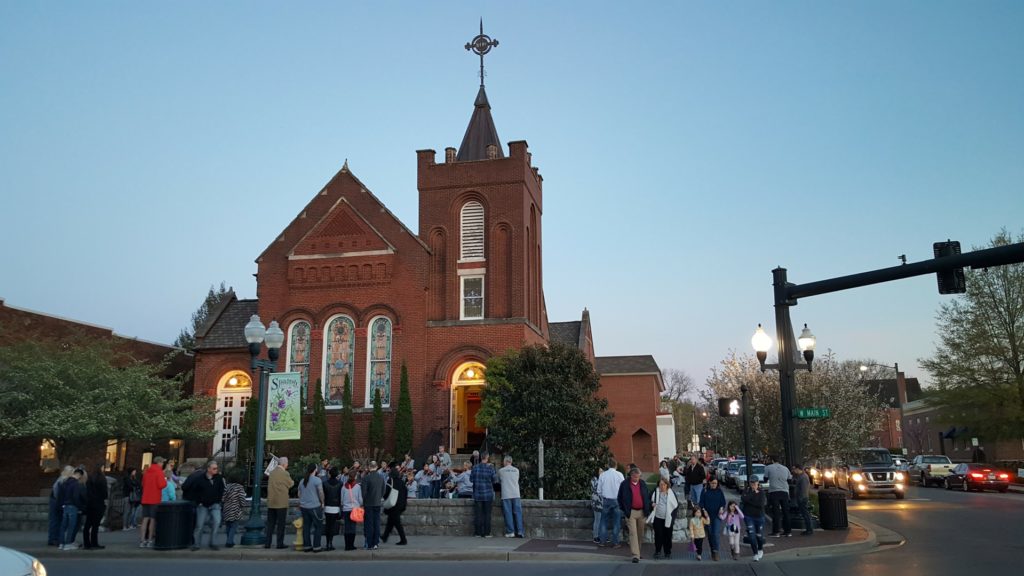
x=728, y=407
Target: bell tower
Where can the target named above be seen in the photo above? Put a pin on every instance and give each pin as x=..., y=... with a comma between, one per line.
x=480, y=214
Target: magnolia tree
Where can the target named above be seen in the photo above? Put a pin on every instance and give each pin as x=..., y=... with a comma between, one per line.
x=856, y=413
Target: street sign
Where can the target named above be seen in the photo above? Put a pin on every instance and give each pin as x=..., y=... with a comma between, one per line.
x=811, y=413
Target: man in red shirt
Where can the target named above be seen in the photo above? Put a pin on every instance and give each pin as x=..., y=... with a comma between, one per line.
x=635, y=503
x=153, y=482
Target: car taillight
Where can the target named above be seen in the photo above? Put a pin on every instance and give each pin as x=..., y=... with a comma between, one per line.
x=976, y=475
x=1004, y=476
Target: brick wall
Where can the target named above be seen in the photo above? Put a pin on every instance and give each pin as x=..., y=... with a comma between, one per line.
x=634, y=400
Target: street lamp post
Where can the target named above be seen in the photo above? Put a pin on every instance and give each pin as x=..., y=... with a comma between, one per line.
x=787, y=364
x=255, y=334
x=746, y=430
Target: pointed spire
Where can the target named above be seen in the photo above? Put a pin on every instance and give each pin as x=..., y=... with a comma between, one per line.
x=481, y=133
x=344, y=167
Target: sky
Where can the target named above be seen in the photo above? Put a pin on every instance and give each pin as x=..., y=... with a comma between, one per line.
x=149, y=150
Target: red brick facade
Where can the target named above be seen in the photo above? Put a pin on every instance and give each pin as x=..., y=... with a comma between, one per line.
x=22, y=474
x=346, y=253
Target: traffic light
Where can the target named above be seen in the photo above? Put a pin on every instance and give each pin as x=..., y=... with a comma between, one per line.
x=950, y=281
x=728, y=407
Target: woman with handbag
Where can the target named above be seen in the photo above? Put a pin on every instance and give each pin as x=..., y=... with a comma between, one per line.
x=664, y=504
x=311, y=505
x=396, y=495
x=351, y=508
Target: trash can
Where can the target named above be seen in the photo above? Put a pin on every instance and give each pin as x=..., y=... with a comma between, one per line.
x=174, y=525
x=832, y=509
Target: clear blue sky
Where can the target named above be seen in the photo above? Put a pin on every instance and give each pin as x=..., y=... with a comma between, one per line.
x=151, y=149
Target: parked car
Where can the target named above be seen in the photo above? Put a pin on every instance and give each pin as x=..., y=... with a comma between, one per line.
x=975, y=476
x=871, y=472
x=930, y=469
x=714, y=464
x=731, y=470
x=758, y=472
x=14, y=563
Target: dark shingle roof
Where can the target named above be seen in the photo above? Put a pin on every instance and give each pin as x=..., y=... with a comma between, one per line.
x=480, y=133
x=887, y=391
x=626, y=365
x=567, y=333
x=227, y=331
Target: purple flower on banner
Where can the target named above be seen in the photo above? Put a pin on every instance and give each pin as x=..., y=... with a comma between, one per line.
x=280, y=403
x=274, y=416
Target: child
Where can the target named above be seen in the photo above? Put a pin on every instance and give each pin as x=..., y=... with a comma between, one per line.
x=697, y=523
x=733, y=528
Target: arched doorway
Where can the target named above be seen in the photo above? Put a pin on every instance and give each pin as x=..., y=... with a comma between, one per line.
x=643, y=449
x=467, y=392
x=233, y=393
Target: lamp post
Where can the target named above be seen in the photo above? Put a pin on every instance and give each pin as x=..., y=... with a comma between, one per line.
x=899, y=398
x=255, y=335
x=786, y=367
x=746, y=431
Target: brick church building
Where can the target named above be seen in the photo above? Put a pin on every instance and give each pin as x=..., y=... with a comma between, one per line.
x=359, y=293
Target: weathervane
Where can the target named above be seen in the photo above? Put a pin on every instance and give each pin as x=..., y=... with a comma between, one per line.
x=481, y=45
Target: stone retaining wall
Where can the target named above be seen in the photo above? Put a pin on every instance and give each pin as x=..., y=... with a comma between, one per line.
x=552, y=519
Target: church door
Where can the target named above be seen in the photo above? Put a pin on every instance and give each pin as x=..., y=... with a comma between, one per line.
x=467, y=394
x=232, y=397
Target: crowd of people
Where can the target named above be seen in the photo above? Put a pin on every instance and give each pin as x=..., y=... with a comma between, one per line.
x=705, y=511
x=332, y=500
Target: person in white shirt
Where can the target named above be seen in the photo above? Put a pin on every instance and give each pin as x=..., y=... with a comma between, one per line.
x=777, y=476
x=511, y=504
x=608, y=486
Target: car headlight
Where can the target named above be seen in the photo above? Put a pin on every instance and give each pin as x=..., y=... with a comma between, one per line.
x=899, y=476
x=857, y=477
x=814, y=472
x=829, y=473
x=37, y=568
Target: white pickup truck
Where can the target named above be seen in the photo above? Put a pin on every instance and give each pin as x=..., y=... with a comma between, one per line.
x=930, y=469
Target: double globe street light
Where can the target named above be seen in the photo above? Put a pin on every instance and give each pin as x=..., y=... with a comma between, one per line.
x=256, y=334
x=786, y=366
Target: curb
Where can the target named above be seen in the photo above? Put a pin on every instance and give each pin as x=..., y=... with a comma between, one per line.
x=877, y=536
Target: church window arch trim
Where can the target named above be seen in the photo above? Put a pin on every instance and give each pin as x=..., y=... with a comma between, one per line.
x=339, y=358
x=379, y=339
x=471, y=232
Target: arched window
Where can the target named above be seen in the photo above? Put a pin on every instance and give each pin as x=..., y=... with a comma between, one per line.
x=471, y=231
x=339, y=357
x=378, y=373
x=298, y=353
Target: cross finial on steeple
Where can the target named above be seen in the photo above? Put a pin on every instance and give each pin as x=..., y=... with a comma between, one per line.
x=481, y=45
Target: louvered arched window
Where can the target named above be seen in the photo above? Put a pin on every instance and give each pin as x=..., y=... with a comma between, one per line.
x=472, y=231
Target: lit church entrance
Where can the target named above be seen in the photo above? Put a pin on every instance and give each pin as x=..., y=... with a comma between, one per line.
x=467, y=388
x=233, y=394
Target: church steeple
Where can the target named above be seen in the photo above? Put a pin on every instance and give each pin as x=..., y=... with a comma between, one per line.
x=481, y=133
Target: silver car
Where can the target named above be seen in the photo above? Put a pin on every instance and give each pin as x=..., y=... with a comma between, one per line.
x=14, y=563
x=758, y=472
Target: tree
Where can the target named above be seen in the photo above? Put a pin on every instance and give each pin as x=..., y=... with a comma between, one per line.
x=978, y=365
x=319, y=432
x=548, y=393
x=187, y=337
x=247, y=433
x=347, y=435
x=78, y=393
x=403, y=416
x=376, y=431
x=856, y=413
x=678, y=398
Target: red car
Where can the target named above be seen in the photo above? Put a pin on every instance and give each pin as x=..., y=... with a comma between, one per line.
x=975, y=476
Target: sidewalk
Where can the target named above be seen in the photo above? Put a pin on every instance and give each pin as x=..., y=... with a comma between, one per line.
x=424, y=548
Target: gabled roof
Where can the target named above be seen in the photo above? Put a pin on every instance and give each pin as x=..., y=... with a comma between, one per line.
x=480, y=133
x=627, y=365
x=227, y=330
x=567, y=333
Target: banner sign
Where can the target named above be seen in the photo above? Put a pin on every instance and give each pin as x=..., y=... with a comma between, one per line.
x=284, y=406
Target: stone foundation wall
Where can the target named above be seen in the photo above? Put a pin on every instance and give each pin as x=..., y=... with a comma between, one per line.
x=552, y=519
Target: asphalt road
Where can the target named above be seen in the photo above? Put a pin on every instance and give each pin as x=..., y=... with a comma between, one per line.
x=946, y=533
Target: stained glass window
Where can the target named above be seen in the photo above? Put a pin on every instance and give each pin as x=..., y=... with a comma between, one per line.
x=472, y=297
x=298, y=353
x=379, y=373
x=339, y=355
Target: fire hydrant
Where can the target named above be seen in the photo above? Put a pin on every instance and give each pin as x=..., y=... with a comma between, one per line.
x=298, y=533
